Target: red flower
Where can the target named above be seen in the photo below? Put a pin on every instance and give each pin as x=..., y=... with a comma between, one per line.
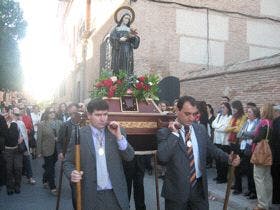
x=141, y=79
x=146, y=87
x=111, y=91
x=99, y=84
x=119, y=82
x=113, y=88
x=107, y=83
x=111, y=94
x=139, y=85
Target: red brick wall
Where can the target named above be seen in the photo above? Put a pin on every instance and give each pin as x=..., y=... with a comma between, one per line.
x=247, y=85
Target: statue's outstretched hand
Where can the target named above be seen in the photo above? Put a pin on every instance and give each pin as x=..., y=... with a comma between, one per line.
x=133, y=31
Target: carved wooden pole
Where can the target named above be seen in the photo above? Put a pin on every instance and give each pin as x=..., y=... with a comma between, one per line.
x=78, y=167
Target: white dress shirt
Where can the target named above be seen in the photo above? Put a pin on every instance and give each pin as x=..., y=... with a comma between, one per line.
x=103, y=178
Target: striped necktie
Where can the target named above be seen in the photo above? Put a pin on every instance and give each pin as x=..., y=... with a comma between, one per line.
x=191, y=158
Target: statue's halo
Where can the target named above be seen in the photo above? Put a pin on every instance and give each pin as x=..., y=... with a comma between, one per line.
x=127, y=9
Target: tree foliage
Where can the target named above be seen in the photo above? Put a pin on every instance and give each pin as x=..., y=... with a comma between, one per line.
x=12, y=29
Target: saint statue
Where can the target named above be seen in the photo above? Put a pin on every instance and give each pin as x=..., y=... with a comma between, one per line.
x=123, y=40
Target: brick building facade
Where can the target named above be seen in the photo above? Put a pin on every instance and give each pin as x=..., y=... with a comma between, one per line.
x=211, y=46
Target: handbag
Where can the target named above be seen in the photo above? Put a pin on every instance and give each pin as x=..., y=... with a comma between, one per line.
x=262, y=154
x=22, y=147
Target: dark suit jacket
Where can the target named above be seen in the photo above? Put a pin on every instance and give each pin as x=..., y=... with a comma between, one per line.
x=88, y=165
x=64, y=135
x=173, y=152
x=60, y=116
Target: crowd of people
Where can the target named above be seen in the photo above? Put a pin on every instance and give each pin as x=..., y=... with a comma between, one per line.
x=239, y=129
x=28, y=132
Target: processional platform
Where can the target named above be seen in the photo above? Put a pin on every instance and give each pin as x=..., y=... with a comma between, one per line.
x=140, y=119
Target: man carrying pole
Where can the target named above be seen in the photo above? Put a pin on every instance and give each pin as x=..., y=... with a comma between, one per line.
x=184, y=149
x=103, y=146
x=63, y=140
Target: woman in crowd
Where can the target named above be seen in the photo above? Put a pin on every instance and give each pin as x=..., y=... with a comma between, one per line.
x=36, y=118
x=175, y=108
x=221, y=139
x=245, y=137
x=211, y=116
x=202, y=116
x=262, y=174
x=25, y=124
x=236, y=123
x=62, y=112
x=47, y=137
x=13, y=156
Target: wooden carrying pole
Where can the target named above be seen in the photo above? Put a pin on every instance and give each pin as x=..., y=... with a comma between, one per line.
x=229, y=183
x=78, y=168
x=61, y=169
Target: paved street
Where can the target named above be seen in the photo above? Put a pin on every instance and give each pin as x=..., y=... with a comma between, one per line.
x=35, y=197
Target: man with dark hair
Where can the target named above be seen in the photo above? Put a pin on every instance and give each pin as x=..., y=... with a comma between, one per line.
x=64, y=136
x=251, y=104
x=183, y=146
x=97, y=104
x=225, y=99
x=66, y=129
x=103, y=146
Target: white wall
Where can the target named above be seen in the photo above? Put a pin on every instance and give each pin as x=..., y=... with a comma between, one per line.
x=270, y=7
x=263, y=38
x=192, y=28
x=259, y=52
